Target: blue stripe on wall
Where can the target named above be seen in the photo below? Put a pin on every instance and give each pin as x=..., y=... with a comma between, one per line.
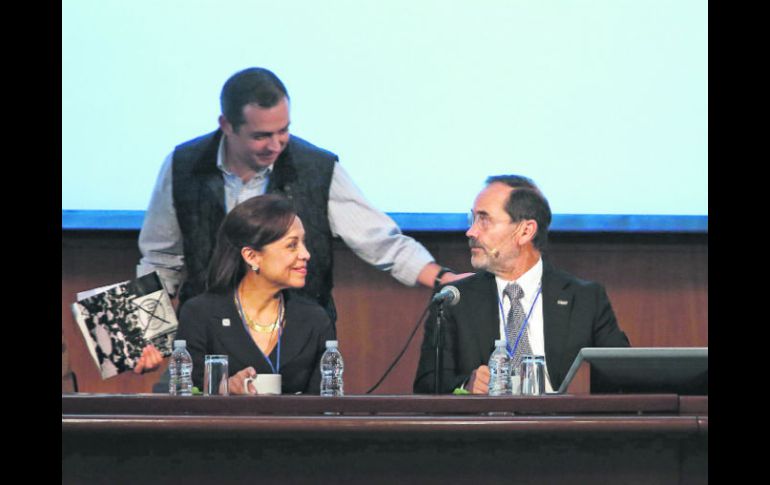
x=132, y=220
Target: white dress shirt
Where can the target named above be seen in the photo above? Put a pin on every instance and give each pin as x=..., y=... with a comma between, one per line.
x=530, y=283
x=371, y=234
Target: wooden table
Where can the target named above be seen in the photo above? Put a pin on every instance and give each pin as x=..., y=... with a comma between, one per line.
x=586, y=439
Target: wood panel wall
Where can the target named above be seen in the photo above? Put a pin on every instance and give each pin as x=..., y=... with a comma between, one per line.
x=657, y=283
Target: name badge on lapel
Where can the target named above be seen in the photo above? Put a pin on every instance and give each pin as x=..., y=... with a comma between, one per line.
x=562, y=302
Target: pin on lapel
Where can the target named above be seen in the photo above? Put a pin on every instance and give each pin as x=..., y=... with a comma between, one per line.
x=562, y=302
x=225, y=322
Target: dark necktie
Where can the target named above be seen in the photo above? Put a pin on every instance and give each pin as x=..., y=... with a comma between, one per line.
x=513, y=326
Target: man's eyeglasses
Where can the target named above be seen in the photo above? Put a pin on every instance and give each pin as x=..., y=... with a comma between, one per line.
x=483, y=220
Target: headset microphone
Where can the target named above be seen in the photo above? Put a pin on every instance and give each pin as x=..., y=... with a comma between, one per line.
x=494, y=252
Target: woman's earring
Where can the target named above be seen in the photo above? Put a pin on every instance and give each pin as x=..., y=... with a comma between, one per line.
x=255, y=268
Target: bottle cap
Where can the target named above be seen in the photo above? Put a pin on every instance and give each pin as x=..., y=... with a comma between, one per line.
x=499, y=343
x=180, y=343
x=331, y=344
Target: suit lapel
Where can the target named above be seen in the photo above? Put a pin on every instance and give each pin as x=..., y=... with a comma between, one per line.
x=488, y=318
x=237, y=340
x=297, y=333
x=557, y=308
x=233, y=336
x=481, y=312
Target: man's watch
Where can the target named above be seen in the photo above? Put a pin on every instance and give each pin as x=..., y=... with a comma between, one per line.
x=441, y=272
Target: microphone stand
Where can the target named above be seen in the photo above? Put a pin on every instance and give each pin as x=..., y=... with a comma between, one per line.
x=438, y=344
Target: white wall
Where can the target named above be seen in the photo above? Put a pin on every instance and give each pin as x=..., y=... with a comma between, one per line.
x=602, y=102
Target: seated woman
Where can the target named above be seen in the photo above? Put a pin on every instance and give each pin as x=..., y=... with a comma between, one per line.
x=248, y=311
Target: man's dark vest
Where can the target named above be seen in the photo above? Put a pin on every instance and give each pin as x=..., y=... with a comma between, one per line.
x=303, y=172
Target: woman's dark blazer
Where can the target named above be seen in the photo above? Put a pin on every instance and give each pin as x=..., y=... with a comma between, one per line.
x=211, y=324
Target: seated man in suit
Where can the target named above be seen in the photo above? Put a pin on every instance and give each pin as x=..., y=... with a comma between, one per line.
x=515, y=296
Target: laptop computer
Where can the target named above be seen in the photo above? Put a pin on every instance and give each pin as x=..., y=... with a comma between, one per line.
x=643, y=370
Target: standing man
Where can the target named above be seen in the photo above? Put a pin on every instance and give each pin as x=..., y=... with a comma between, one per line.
x=516, y=296
x=252, y=153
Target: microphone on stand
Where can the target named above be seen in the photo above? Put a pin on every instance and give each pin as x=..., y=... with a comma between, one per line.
x=448, y=294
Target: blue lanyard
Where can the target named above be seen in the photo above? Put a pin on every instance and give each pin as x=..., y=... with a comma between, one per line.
x=523, y=326
x=276, y=370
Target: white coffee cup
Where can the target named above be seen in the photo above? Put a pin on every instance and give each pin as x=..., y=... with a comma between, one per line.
x=263, y=384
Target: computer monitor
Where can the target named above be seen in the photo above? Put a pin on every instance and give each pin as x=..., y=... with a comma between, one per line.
x=628, y=370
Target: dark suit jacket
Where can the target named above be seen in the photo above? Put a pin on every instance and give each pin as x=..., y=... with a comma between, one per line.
x=576, y=314
x=302, y=344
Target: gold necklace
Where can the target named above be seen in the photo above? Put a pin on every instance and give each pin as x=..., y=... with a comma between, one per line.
x=270, y=327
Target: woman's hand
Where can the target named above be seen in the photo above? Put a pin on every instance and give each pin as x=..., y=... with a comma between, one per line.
x=235, y=382
x=149, y=361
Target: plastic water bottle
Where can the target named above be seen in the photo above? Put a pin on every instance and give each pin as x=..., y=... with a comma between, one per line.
x=180, y=370
x=499, y=370
x=331, y=371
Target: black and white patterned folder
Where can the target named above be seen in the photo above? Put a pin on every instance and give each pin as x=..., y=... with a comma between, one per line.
x=118, y=321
